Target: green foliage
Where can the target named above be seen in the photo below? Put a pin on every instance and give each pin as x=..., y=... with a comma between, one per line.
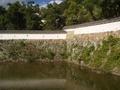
x=71, y=12
x=33, y=18
x=21, y=16
x=110, y=8
x=106, y=56
x=53, y=16
x=3, y=19
x=32, y=51
x=82, y=11
x=16, y=18
x=86, y=53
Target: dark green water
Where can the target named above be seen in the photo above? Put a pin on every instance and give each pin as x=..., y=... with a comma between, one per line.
x=53, y=76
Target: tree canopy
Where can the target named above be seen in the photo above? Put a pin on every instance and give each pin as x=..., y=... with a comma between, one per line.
x=30, y=16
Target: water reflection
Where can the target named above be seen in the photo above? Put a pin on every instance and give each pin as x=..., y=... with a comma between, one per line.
x=53, y=76
x=31, y=84
x=84, y=79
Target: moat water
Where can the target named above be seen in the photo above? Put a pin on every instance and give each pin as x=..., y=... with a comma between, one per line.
x=53, y=76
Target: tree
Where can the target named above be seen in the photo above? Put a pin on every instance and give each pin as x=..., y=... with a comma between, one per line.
x=33, y=17
x=79, y=11
x=110, y=8
x=34, y=22
x=53, y=16
x=22, y=16
x=93, y=7
x=16, y=18
x=71, y=12
x=3, y=19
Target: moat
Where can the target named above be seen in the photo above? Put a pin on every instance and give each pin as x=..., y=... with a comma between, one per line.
x=53, y=76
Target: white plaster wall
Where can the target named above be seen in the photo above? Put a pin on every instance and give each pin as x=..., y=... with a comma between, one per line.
x=32, y=36
x=115, y=26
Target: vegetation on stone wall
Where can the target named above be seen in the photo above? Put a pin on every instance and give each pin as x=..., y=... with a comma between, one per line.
x=107, y=55
x=32, y=50
x=104, y=55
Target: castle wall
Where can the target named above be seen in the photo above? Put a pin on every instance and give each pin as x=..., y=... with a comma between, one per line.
x=97, y=36
x=95, y=32
x=32, y=36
